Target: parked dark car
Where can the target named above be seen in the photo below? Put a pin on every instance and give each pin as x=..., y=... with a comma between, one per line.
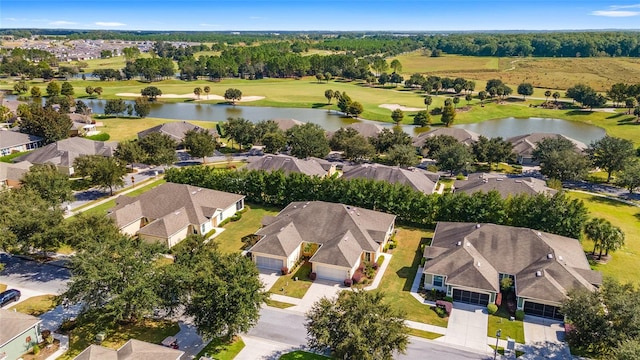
x=11, y=295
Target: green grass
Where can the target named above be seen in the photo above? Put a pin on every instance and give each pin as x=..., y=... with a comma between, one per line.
x=36, y=305
x=512, y=329
x=120, y=129
x=278, y=304
x=220, y=350
x=501, y=351
x=230, y=239
x=398, y=278
x=302, y=355
x=291, y=287
x=147, y=330
x=9, y=158
x=624, y=262
x=103, y=208
x=424, y=334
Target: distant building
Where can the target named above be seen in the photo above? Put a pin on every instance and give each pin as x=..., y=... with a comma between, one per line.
x=175, y=129
x=524, y=145
x=13, y=141
x=418, y=179
x=463, y=136
x=506, y=186
x=289, y=164
x=286, y=124
x=12, y=173
x=366, y=129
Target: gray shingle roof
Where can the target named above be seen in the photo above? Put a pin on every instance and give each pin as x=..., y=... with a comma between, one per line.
x=343, y=231
x=523, y=145
x=474, y=254
x=464, y=136
x=416, y=178
x=367, y=129
x=287, y=164
x=13, y=171
x=504, y=185
x=9, y=138
x=131, y=350
x=14, y=324
x=195, y=206
x=286, y=124
x=64, y=152
x=175, y=129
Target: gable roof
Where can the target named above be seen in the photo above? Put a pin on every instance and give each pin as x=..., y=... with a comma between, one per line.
x=506, y=186
x=10, y=138
x=545, y=265
x=64, y=152
x=14, y=324
x=523, y=145
x=14, y=171
x=418, y=179
x=464, y=136
x=342, y=231
x=131, y=350
x=366, y=129
x=170, y=207
x=175, y=129
x=287, y=164
x=286, y=124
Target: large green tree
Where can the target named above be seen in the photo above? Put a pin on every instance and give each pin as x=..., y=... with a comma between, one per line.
x=605, y=236
x=341, y=138
x=357, y=325
x=402, y=155
x=53, y=88
x=525, y=89
x=448, y=115
x=492, y=151
x=130, y=152
x=52, y=185
x=387, y=138
x=629, y=178
x=239, y=130
x=200, y=143
x=560, y=159
x=104, y=172
x=611, y=154
x=397, y=115
x=358, y=148
x=454, y=158
x=233, y=95
x=160, y=149
x=45, y=122
x=150, y=92
x=308, y=140
x=142, y=107
x=115, y=106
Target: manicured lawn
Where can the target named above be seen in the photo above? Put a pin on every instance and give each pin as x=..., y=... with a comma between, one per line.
x=126, y=129
x=103, y=208
x=624, y=262
x=230, y=239
x=399, y=275
x=9, y=158
x=512, y=329
x=36, y=305
x=286, y=285
x=147, y=330
x=219, y=350
x=278, y=304
x=424, y=334
x=302, y=355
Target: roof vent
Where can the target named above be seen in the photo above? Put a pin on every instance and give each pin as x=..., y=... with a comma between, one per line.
x=304, y=206
x=477, y=226
x=538, y=273
x=193, y=192
x=539, y=233
x=176, y=213
x=560, y=257
x=468, y=244
x=518, y=181
x=549, y=256
x=478, y=263
x=459, y=243
x=499, y=179
x=348, y=207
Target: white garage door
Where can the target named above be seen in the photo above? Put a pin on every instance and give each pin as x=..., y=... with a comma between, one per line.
x=330, y=273
x=268, y=263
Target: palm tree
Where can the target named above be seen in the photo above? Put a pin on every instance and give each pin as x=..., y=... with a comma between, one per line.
x=427, y=101
x=604, y=235
x=197, y=91
x=456, y=101
x=556, y=96
x=207, y=89
x=468, y=97
x=547, y=94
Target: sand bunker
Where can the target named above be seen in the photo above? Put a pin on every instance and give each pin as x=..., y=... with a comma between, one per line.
x=398, y=106
x=194, y=97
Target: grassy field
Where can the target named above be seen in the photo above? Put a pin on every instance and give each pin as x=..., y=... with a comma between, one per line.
x=399, y=275
x=286, y=285
x=512, y=329
x=302, y=355
x=219, y=350
x=36, y=305
x=624, y=263
x=120, y=129
x=230, y=239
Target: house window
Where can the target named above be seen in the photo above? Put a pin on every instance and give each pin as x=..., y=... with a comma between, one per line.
x=239, y=205
x=367, y=256
x=220, y=216
x=438, y=280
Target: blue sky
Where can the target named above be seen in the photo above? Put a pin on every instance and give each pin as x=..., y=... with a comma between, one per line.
x=345, y=15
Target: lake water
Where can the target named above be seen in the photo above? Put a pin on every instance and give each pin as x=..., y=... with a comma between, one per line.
x=333, y=120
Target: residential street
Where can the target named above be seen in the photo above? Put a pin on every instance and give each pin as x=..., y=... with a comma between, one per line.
x=27, y=274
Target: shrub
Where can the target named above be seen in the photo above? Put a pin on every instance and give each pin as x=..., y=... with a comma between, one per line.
x=312, y=276
x=460, y=177
x=448, y=299
x=492, y=308
x=440, y=311
x=432, y=168
x=375, y=266
x=236, y=217
x=99, y=137
x=444, y=305
x=357, y=277
x=422, y=261
x=348, y=282
x=392, y=244
x=284, y=270
x=36, y=349
x=519, y=315
x=386, y=247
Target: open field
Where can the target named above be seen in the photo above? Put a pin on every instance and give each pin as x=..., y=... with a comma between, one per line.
x=624, y=262
x=553, y=73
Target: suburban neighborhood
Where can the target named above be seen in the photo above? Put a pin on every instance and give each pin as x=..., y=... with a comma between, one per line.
x=305, y=194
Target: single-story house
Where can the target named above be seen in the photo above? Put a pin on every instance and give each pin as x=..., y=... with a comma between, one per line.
x=506, y=186
x=418, y=179
x=18, y=333
x=468, y=262
x=289, y=164
x=175, y=129
x=464, y=136
x=12, y=105
x=286, y=124
x=524, y=145
x=170, y=212
x=131, y=350
x=336, y=238
x=13, y=141
x=82, y=125
x=366, y=129
x=12, y=173
x=62, y=153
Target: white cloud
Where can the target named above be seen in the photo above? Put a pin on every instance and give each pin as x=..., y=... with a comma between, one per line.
x=62, y=22
x=616, y=7
x=615, y=13
x=109, y=24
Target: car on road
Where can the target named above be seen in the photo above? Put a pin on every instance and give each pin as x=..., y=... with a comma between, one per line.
x=11, y=295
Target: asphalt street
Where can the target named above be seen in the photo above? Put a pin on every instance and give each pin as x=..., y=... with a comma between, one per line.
x=22, y=273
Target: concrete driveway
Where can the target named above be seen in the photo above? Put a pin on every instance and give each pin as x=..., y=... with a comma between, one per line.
x=540, y=330
x=318, y=289
x=467, y=328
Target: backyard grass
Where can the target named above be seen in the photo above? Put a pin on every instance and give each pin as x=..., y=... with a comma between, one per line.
x=286, y=285
x=624, y=262
x=153, y=331
x=36, y=305
x=512, y=329
x=230, y=239
x=104, y=207
x=278, y=304
x=9, y=158
x=424, y=334
x=220, y=350
x=400, y=273
x=126, y=129
x=302, y=355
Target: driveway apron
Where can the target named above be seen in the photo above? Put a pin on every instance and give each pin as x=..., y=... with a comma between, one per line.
x=467, y=327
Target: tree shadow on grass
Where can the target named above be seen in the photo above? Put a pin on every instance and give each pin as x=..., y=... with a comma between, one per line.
x=318, y=105
x=615, y=116
x=579, y=112
x=628, y=121
x=406, y=273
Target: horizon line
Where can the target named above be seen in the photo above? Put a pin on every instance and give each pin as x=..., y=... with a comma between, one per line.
x=325, y=30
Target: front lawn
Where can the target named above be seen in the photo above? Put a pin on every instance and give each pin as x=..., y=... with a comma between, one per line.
x=230, y=239
x=36, y=305
x=512, y=329
x=302, y=355
x=424, y=334
x=399, y=275
x=220, y=350
x=288, y=286
x=278, y=304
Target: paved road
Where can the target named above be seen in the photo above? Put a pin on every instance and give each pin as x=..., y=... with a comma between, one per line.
x=43, y=278
x=605, y=189
x=288, y=328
